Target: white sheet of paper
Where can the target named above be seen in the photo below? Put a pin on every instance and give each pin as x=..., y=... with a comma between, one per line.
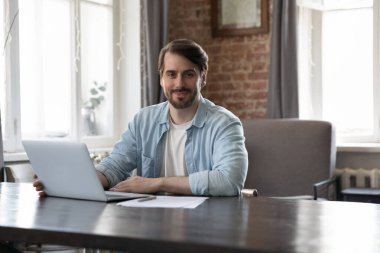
x=166, y=202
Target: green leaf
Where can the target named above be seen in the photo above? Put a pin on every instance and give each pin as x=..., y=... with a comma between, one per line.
x=95, y=102
x=93, y=91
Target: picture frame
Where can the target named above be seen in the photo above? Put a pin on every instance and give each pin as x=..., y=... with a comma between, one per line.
x=239, y=17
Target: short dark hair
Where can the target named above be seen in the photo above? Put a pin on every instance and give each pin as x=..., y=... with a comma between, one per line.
x=188, y=49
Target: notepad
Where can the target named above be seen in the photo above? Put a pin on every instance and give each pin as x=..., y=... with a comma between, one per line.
x=166, y=202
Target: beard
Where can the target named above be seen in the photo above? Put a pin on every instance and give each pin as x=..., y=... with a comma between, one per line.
x=184, y=101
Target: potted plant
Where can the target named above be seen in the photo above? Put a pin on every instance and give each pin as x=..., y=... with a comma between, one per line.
x=97, y=92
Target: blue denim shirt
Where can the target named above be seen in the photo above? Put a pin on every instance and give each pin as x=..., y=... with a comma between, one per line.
x=215, y=153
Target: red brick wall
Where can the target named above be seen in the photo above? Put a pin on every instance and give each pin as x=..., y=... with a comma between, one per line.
x=238, y=65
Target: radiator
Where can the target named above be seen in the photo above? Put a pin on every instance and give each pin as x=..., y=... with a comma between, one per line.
x=360, y=178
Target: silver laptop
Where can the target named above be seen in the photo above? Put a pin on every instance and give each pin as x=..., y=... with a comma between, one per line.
x=66, y=170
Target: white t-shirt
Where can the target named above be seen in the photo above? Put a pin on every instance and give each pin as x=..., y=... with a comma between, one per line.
x=174, y=163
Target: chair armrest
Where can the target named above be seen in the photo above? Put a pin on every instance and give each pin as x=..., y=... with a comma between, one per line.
x=250, y=192
x=6, y=175
x=325, y=184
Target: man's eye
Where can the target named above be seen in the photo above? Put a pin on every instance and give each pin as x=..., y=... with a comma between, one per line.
x=170, y=74
x=190, y=74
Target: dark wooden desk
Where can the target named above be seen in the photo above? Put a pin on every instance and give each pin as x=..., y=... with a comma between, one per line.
x=218, y=225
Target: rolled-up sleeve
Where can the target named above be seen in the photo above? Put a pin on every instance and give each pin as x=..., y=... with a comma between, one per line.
x=229, y=161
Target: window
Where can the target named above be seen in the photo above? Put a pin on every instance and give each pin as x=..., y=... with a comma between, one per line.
x=62, y=62
x=338, y=57
x=2, y=66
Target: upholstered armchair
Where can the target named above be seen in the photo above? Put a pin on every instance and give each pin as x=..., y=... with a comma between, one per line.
x=287, y=157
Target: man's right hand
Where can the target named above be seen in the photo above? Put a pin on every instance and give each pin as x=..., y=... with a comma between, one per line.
x=39, y=186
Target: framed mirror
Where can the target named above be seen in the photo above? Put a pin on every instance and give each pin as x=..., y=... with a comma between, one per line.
x=239, y=17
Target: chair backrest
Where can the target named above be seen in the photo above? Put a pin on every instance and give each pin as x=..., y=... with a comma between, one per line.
x=287, y=156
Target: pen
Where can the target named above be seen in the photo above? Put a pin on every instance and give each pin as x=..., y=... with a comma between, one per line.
x=147, y=198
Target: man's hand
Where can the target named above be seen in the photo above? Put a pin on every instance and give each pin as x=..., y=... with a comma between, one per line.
x=176, y=185
x=139, y=185
x=39, y=186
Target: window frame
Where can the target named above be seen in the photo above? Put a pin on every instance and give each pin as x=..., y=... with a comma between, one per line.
x=315, y=91
x=126, y=100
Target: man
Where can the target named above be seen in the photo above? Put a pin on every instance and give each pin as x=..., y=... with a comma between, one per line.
x=186, y=145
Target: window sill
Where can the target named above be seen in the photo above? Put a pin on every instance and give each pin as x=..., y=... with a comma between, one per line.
x=341, y=147
x=359, y=147
x=20, y=157
x=15, y=157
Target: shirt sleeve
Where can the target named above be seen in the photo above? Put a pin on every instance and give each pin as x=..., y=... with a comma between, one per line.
x=230, y=164
x=119, y=165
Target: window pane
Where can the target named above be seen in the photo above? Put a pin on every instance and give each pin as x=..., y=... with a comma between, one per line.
x=2, y=67
x=347, y=58
x=45, y=68
x=96, y=69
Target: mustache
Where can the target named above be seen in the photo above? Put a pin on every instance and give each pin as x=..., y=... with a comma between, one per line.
x=182, y=89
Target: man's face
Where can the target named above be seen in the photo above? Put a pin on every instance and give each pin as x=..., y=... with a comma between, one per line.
x=181, y=81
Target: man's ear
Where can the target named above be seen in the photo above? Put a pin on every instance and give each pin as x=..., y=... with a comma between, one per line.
x=204, y=78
